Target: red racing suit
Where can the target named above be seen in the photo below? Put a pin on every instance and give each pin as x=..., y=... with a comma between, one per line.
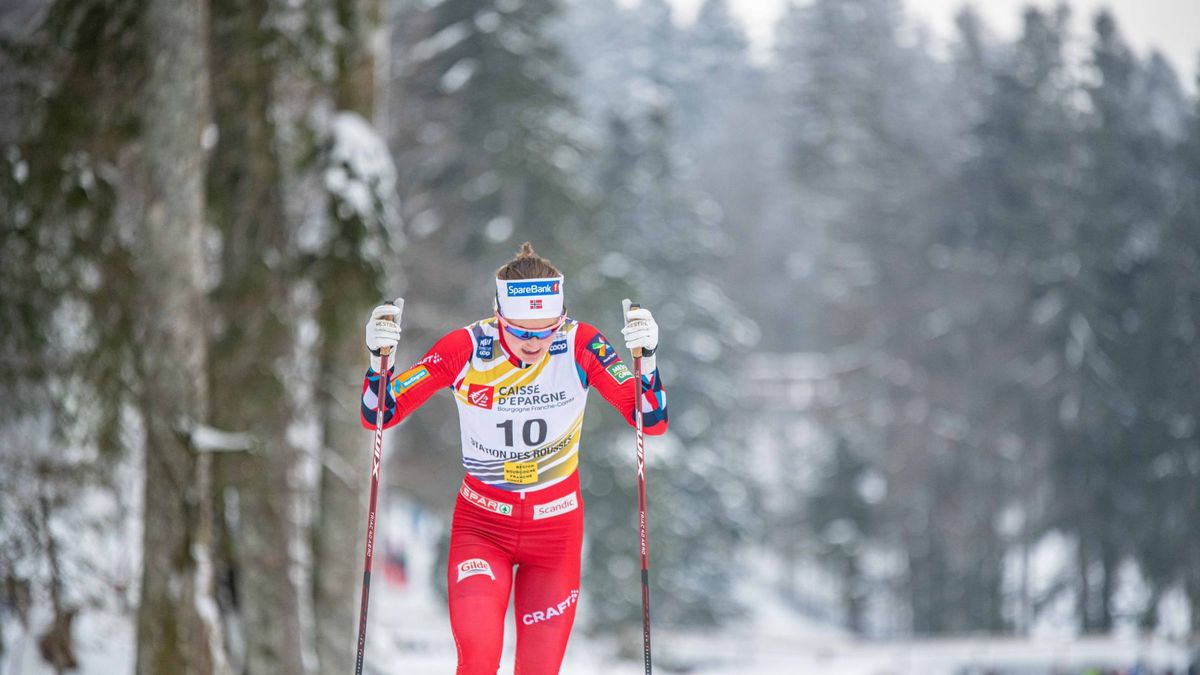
x=519, y=503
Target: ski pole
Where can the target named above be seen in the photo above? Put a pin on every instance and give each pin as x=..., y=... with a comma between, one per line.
x=375, y=462
x=641, y=474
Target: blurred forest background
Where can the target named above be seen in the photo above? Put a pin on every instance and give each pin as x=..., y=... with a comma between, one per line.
x=929, y=315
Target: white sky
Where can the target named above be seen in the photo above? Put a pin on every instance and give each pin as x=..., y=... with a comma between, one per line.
x=1171, y=26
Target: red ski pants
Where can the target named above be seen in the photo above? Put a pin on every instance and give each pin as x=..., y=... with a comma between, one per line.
x=541, y=534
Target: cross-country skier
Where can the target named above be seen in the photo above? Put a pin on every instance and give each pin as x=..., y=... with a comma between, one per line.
x=520, y=379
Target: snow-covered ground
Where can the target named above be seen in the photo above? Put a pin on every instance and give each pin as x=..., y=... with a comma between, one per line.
x=409, y=633
x=413, y=637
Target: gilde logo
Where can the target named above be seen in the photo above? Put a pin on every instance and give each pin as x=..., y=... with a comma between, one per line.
x=472, y=567
x=480, y=395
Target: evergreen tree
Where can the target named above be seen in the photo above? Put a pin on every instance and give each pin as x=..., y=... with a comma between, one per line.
x=485, y=139
x=348, y=260
x=869, y=162
x=726, y=145
x=1183, y=497
x=698, y=483
x=484, y=124
x=178, y=627
x=597, y=37
x=841, y=512
x=697, y=475
x=271, y=105
x=1015, y=221
x=1127, y=190
x=80, y=248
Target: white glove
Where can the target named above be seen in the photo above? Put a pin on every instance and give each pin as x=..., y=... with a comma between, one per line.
x=641, y=330
x=383, y=330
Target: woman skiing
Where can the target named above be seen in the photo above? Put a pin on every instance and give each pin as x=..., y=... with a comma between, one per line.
x=520, y=379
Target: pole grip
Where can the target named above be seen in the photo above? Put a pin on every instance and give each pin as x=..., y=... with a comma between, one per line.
x=637, y=351
x=386, y=351
x=399, y=303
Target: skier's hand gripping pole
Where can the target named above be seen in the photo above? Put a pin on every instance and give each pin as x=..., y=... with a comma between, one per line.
x=641, y=337
x=382, y=336
x=641, y=334
x=383, y=330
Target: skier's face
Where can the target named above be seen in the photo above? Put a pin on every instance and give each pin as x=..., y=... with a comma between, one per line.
x=529, y=348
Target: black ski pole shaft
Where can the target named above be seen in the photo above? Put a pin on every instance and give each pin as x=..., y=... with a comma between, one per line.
x=641, y=474
x=377, y=458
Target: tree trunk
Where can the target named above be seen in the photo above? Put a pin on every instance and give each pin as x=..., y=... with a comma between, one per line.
x=362, y=58
x=273, y=102
x=345, y=293
x=176, y=630
x=340, y=528
x=852, y=594
x=1083, y=602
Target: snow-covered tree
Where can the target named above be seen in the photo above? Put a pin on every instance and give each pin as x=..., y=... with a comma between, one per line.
x=664, y=246
x=79, y=295
x=178, y=622
x=1135, y=116
x=485, y=139
x=1183, y=490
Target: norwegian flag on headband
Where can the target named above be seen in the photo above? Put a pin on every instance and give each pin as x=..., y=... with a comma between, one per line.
x=535, y=304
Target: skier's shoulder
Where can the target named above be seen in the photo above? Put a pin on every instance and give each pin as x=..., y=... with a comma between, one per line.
x=454, y=344
x=483, y=328
x=581, y=329
x=591, y=340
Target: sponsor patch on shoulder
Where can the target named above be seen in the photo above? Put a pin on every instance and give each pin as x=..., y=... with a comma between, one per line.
x=408, y=378
x=603, y=350
x=558, y=347
x=484, y=349
x=619, y=372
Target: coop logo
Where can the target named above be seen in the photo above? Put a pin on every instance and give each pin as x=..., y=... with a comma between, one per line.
x=472, y=567
x=558, y=347
x=481, y=395
x=552, y=611
x=522, y=289
x=484, y=350
x=556, y=507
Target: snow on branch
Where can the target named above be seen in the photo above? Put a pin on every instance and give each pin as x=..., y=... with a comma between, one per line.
x=361, y=178
x=208, y=439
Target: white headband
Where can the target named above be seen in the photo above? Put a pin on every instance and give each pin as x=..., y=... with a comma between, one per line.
x=530, y=298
